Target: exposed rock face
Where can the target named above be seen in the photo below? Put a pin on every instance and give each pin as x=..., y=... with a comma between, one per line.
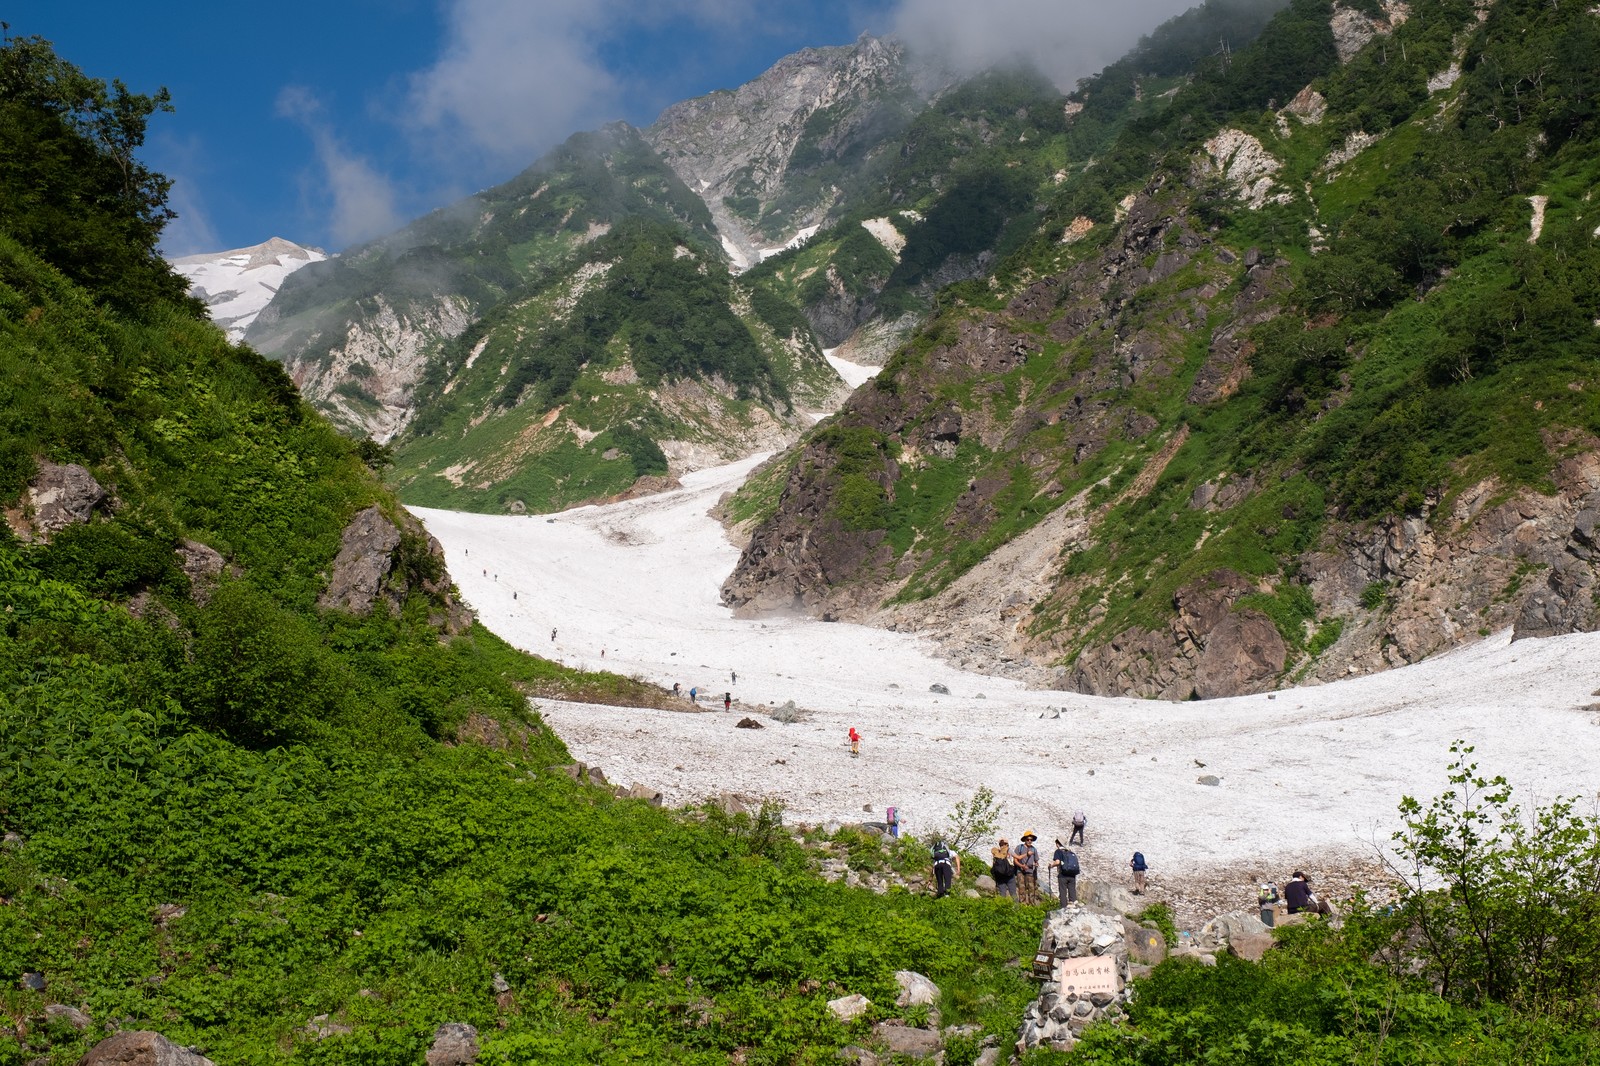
x=141, y=1049
x=1353, y=30
x=1247, y=167
x=381, y=355
x=1208, y=650
x=370, y=565
x=61, y=496
x=203, y=565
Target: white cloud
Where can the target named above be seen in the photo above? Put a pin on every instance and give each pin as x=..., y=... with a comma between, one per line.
x=515, y=78
x=1066, y=39
x=361, y=201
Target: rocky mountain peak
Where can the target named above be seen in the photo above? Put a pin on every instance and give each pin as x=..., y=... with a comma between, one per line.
x=736, y=148
x=237, y=285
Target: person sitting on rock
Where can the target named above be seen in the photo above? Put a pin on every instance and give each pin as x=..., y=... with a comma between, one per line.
x=1301, y=900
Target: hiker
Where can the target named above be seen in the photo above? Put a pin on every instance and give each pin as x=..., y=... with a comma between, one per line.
x=676, y=689
x=1002, y=869
x=733, y=677
x=1137, y=865
x=552, y=635
x=855, y=743
x=946, y=868
x=1065, y=863
x=1026, y=859
x=1298, y=895
x=891, y=817
x=727, y=701
x=1078, y=822
x=694, y=694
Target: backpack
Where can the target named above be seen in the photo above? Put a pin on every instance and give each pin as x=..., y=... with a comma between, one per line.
x=1138, y=860
x=893, y=816
x=1069, y=865
x=1002, y=870
x=941, y=855
x=1078, y=820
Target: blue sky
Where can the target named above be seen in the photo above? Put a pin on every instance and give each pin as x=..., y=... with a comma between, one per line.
x=332, y=122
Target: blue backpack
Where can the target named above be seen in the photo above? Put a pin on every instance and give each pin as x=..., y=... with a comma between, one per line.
x=1138, y=860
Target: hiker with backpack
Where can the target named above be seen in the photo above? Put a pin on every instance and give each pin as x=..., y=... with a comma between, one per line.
x=855, y=743
x=1137, y=865
x=891, y=818
x=1003, y=870
x=1026, y=859
x=946, y=868
x=1078, y=822
x=1065, y=862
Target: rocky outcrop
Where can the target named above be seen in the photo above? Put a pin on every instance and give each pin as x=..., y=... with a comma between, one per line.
x=1245, y=166
x=379, y=560
x=59, y=495
x=141, y=1049
x=1210, y=649
x=1353, y=30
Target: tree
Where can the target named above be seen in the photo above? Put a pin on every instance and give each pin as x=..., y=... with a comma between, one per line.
x=71, y=186
x=1505, y=904
x=973, y=821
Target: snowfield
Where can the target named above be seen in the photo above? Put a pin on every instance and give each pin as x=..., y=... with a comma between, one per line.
x=1307, y=776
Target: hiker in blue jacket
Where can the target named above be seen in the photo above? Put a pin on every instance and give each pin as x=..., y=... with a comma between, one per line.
x=1137, y=865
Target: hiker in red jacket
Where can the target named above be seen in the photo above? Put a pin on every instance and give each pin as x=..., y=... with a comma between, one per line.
x=855, y=743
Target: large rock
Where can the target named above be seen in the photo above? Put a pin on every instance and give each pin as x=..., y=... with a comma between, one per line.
x=141, y=1049
x=365, y=559
x=915, y=990
x=1145, y=945
x=62, y=496
x=203, y=565
x=1106, y=897
x=849, y=1008
x=905, y=1040
x=454, y=1044
x=71, y=1015
x=1224, y=929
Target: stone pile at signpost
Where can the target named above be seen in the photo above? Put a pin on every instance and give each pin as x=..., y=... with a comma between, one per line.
x=1095, y=956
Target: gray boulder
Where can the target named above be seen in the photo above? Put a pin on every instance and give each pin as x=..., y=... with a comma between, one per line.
x=905, y=1040
x=62, y=496
x=1104, y=897
x=71, y=1015
x=366, y=555
x=141, y=1048
x=454, y=1044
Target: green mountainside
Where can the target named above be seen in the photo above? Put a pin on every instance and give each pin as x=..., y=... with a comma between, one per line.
x=566, y=393
x=1294, y=378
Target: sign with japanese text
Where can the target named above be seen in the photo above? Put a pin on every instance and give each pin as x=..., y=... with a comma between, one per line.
x=1086, y=976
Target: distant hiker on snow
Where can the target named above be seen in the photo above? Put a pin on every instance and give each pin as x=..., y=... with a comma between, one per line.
x=1002, y=869
x=1078, y=822
x=733, y=676
x=946, y=868
x=677, y=690
x=1137, y=865
x=694, y=694
x=891, y=818
x=552, y=635
x=1026, y=859
x=727, y=701
x=855, y=743
x=1065, y=864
